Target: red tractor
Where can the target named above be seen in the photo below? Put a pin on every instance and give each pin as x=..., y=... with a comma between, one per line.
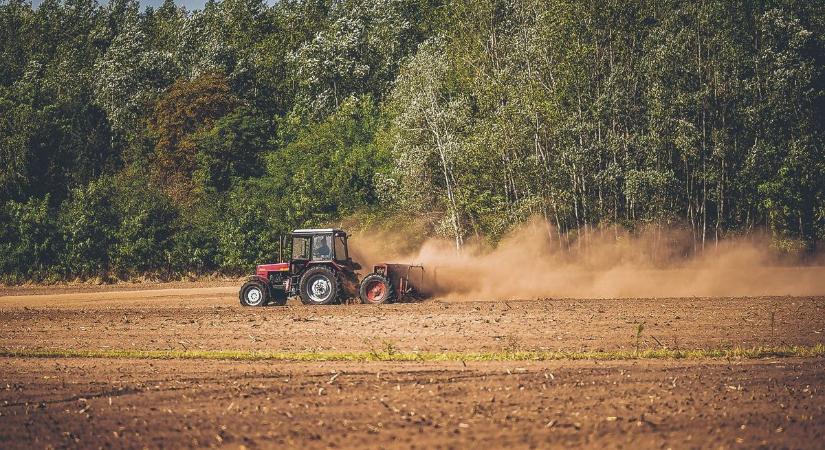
x=321, y=272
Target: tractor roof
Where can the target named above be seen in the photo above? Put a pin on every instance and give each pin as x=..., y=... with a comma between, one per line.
x=318, y=231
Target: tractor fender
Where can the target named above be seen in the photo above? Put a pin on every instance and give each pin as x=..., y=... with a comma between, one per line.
x=263, y=280
x=346, y=276
x=332, y=265
x=258, y=278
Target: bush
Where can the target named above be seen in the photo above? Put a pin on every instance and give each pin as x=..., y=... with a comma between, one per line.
x=249, y=227
x=143, y=238
x=119, y=225
x=29, y=241
x=327, y=169
x=195, y=242
x=231, y=150
x=88, y=222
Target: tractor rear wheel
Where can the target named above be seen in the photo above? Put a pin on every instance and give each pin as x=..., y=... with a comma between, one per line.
x=376, y=289
x=319, y=286
x=254, y=293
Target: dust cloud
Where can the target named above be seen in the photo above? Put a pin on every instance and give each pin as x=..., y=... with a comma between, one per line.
x=533, y=261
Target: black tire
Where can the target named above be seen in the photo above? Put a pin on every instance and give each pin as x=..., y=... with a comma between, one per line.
x=376, y=289
x=319, y=286
x=277, y=297
x=254, y=293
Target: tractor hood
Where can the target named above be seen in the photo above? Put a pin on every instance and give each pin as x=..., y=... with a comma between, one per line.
x=264, y=269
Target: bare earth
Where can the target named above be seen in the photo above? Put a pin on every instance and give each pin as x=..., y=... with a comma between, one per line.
x=71, y=402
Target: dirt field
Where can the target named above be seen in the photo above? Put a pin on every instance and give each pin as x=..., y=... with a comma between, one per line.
x=71, y=402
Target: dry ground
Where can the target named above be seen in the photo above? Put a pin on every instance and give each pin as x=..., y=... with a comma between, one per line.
x=137, y=403
x=75, y=402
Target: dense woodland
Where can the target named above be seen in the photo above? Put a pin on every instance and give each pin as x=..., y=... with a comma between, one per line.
x=166, y=141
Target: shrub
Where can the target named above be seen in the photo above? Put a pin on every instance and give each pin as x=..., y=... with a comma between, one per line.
x=88, y=222
x=29, y=241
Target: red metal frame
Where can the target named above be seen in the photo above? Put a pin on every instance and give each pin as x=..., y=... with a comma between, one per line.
x=264, y=269
x=398, y=276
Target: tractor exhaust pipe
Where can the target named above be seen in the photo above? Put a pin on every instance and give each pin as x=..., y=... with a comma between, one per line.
x=280, y=247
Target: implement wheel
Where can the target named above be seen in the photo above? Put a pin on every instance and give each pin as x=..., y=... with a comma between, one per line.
x=376, y=289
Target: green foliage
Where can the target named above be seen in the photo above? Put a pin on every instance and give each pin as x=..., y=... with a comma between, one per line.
x=130, y=76
x=327, y=168
x=391, y=353
x=144, y=235
x=620, y=114
x=358, y=52
x=231, y=150
x=169, y=142
x=249, y=228
x=189, y=107
x=195, y=246
x=117, y=225
x=89, y=223
x=29, y=241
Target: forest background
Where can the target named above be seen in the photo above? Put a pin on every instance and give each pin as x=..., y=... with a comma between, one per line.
x=164, y=142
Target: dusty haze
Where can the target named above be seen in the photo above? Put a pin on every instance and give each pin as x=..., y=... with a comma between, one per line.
x=531, y=262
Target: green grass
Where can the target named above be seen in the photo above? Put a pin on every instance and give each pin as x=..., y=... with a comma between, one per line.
x=817, y=350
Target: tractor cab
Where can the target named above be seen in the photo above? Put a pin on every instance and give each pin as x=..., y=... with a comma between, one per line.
x=325, y=245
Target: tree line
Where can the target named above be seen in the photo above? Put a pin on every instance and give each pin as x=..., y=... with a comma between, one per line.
x=165, y=141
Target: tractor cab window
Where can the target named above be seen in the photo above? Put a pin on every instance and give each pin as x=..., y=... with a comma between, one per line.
x=300, y=247
x=322, y=248
x=341, y=248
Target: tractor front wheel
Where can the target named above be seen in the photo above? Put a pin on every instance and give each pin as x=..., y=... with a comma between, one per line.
x=254, y=293
x=376, y=289
x=319, y=286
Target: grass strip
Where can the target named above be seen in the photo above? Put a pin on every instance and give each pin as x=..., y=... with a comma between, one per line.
x=817, y=350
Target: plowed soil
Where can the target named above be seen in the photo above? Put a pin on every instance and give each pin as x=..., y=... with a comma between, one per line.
x=77, y=402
